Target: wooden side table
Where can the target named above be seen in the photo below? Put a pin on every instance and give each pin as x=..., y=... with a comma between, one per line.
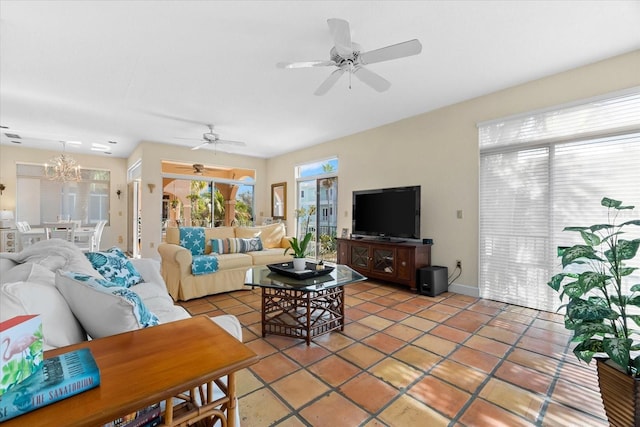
x=143, y=367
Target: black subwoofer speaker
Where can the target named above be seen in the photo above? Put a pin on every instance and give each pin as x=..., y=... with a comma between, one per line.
x=432, y=280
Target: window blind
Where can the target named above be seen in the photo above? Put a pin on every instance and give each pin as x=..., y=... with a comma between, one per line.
x=543, y=171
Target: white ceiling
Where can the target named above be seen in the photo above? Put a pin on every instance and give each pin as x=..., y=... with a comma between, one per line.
x=127, y=71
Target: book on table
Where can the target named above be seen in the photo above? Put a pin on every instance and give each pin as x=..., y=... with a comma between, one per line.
x=22, y=352
x=142, y=418
x=58, y=378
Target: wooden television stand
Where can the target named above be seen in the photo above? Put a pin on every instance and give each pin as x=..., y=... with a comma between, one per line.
x=388, y=260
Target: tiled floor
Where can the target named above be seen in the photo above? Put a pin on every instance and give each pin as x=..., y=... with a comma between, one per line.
x=411, y=360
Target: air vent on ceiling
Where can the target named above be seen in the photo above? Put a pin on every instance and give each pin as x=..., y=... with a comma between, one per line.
x=13, y=135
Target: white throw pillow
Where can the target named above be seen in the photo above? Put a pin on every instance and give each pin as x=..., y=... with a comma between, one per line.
x=102, y=310
x=28, y=272
x=59, y=326
x=247, y=232
x=272, y=235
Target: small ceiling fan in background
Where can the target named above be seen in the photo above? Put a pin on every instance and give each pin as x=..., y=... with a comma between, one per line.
x=195, y=169
x=185, y=168
x=212, y=138
x=347, y=56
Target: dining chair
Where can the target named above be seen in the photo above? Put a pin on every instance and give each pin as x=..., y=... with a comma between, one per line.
x=68, y=234
x=97, y=235
x=84, y=240
x=60, y=230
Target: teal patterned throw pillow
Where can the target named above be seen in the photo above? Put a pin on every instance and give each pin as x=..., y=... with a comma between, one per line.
x=114, y=266
x=192, y=238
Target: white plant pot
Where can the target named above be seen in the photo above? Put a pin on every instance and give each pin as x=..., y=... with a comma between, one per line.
x=299, y=264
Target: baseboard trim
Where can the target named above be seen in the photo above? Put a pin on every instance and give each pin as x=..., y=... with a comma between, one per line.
x=471, y=291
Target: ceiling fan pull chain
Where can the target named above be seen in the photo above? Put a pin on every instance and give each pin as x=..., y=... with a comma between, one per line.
x=350, y=73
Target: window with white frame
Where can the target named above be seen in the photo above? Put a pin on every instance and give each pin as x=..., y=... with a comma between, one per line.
x=543, y=171
x=40, y=199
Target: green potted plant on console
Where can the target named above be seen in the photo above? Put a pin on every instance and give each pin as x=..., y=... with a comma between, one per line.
x=603, y=309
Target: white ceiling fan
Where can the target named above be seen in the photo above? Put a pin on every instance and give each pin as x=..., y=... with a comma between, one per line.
x=347, y=56
x=211, y=137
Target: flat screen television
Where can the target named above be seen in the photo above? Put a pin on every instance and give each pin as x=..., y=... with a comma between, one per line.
x=387, y=213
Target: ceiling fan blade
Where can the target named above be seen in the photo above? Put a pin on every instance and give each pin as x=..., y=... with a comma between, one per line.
x=372, y=79
x=305, y=64
x=173, y=117
x=329, y=82
x=400, y=50
x=228, y=142
x=197, y=147
x=341, y=34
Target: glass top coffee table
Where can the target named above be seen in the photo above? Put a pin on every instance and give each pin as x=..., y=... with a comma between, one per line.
x=302, y=308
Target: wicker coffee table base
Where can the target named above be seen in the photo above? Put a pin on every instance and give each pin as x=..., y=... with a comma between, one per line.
x=302, y=314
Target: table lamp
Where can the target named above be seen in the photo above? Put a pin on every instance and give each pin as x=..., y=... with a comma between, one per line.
x=6, y=218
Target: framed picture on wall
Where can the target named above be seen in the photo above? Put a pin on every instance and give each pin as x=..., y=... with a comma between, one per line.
x=345, y=233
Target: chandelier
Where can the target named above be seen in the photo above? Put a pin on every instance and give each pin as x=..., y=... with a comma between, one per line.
x=62, y=168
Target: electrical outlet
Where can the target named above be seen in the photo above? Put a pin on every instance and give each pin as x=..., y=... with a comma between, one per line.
x=459, y=264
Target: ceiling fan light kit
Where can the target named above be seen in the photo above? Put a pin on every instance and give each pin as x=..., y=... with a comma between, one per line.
x=347, y=56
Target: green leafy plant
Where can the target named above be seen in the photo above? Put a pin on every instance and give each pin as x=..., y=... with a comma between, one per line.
x=327, y=243
x=299, y=246
x=603, y=308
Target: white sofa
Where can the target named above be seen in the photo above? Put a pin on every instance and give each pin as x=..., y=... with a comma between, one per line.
x=28, y=286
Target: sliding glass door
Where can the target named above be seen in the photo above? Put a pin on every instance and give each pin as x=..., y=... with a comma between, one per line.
x=317, y=198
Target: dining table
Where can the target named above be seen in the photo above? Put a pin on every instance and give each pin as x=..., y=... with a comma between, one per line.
x=82, y=234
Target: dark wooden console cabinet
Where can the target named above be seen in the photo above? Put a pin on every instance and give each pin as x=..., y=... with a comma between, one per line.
x=379, y=259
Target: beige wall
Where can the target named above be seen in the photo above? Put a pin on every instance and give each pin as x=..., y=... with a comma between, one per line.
x=115, y=234
x=439, y=151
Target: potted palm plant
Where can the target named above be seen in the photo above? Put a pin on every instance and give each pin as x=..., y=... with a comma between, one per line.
x=603, y=309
